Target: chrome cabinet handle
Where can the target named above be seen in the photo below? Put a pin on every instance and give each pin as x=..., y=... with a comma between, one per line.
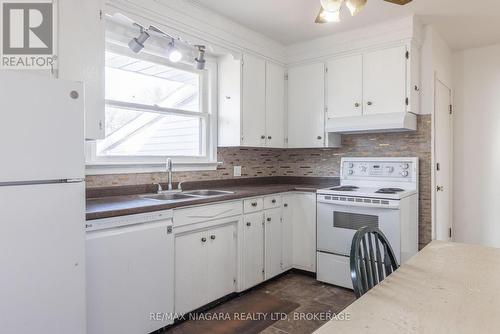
x=203, y=239
x=212, y=237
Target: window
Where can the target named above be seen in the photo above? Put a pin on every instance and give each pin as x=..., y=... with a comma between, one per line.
x=154, y=110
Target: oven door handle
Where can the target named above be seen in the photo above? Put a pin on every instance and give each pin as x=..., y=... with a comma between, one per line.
x=363, y=205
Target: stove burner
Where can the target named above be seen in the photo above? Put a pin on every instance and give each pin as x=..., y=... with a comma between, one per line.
x=345, y=188
x=389, y=191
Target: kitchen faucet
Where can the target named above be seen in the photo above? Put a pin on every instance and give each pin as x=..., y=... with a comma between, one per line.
x=168, y=168
x=169, y=171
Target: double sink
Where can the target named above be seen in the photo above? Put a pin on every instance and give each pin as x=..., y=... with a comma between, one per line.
x=186, y=195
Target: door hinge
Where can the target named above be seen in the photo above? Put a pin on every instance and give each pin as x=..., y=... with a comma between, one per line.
x=451, y=109
x=438, y=166
x=242, y=62
x=407, y=54
x=326, y=69
x=326, y=109
x=100, y=14
x=449, y=232
x=407, y=101
x=286, y=76
x=234, y=281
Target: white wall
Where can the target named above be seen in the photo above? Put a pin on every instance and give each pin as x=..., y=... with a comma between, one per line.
x=476, y=215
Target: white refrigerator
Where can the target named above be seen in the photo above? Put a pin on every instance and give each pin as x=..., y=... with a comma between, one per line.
x=42, y=205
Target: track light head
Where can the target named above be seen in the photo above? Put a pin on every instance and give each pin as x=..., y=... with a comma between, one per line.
x=174, y=55
x=137, y=44
x=200, y=59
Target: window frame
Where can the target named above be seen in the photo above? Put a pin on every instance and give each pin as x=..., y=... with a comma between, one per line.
x=96, y=164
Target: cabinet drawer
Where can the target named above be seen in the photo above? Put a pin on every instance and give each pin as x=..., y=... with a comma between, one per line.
x=253, y=205
x=271, y=202
x=205, y=213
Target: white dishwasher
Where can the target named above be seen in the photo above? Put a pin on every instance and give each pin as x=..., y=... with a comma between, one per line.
x=130, y=273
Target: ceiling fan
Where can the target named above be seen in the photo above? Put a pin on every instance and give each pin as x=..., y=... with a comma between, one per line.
x=330, y=9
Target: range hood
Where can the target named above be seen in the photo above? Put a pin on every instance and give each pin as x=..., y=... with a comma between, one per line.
x=391, y=122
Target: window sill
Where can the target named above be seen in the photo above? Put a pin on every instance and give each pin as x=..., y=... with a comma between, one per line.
x=107, y=168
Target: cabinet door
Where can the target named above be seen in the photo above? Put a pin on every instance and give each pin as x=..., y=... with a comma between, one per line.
x=253, y=249
x=272, y=237
x=81, y=56
x=304, y=232
x=229, y=116
x=254, y=102
x=275, y=105
x=306, y=106
x=221, y=258
x=344, y=87
x=191, y=267
x=384, y=81
x=287, y=232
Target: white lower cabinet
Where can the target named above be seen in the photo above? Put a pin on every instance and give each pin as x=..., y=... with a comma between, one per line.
x=273, y=242
x=253, y=250
x=205, y=266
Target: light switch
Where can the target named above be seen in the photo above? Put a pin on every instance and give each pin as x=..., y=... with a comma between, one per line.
x=237, y=171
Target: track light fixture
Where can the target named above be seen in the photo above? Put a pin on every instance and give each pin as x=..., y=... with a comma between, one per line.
x=137, y=44
x=200, y=60
x=173, y=53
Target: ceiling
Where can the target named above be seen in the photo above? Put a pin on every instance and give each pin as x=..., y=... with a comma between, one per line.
x=462, y=23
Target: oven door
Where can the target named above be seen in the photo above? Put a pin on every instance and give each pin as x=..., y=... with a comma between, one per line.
x=337, y=224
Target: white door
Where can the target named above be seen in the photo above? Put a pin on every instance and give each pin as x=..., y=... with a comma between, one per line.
x=42, y=257
x=81, y=56
x=191, y=268
x=287, y=232
x=306, y=106
x=384, y=81
x=304, y=232
x=273, y=243
x=253, y=249
x=130, y=273
x=221, y=258
x=275, y=105
x=345, y=87
x=41, y=128
x=443, y=153
x=254, y=101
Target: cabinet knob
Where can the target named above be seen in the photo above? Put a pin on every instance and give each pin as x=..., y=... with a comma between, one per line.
x=262, y=137
x=74, y=94
x=212, y=237
x=273, y=201
x=268, y=219
x=203, y=239
x=269, y=137
x=285, y=205
x=369, y=103
x=356, y=105
x=228, y=97
x=319, y=137
x=254, y=204
x=249, y=224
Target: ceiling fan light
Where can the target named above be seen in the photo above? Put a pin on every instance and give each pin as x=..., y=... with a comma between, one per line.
x=355, y=6
x=331, y=5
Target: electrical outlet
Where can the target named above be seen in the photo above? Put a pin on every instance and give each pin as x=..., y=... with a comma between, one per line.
x=237, y=171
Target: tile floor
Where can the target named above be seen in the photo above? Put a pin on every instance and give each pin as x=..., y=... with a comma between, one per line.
x=311, y=296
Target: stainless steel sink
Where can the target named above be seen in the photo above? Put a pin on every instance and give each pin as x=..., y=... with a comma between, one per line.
x=170, y=197
x=208, y=193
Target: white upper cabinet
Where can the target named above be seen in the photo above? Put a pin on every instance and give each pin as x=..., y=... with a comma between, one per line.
x=345, y=86
x=275, y=105
x=81, y=56
x=384, y=81
x=306, y=106
x=254, y=102
x=251, y=102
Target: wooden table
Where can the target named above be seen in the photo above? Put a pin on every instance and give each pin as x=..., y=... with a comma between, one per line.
x=446, y=288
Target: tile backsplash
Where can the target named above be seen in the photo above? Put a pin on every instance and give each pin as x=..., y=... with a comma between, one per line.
x=257, y=162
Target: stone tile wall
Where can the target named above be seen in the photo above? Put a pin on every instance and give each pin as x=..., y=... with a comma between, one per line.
x=257, y=162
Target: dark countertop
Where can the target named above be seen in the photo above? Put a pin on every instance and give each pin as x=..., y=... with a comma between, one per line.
x=121, y=201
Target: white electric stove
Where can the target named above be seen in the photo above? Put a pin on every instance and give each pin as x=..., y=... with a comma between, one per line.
x=379, y=192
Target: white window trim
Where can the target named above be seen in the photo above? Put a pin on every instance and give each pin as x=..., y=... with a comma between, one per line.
x=97, y=165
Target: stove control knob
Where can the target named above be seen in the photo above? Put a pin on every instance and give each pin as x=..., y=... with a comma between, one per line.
x=404, y=173
x=351, y=165
x=405, y=166
x=351, y=172
x=363, y=168
x=390, y=169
